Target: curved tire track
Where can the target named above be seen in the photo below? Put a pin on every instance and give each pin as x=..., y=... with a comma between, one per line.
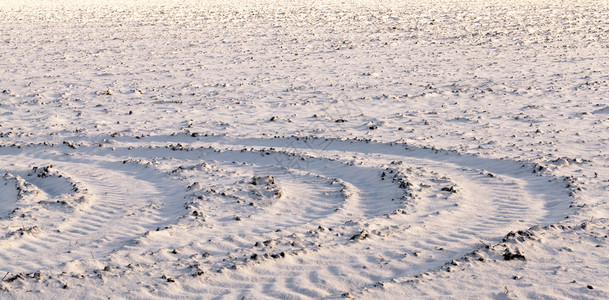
x=354, y=213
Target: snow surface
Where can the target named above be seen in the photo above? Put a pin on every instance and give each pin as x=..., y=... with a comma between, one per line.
x=304, y=149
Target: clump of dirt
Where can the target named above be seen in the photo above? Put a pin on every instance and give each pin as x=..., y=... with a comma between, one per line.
x=263, y=180
x=265, y=190
x=360, y=236
x=43, y=172
x=513, y=255
x=24, y=231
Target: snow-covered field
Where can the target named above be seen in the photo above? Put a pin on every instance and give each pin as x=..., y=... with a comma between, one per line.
x=304, y=149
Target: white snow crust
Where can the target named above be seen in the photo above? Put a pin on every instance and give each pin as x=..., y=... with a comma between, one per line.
x=304, y=149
